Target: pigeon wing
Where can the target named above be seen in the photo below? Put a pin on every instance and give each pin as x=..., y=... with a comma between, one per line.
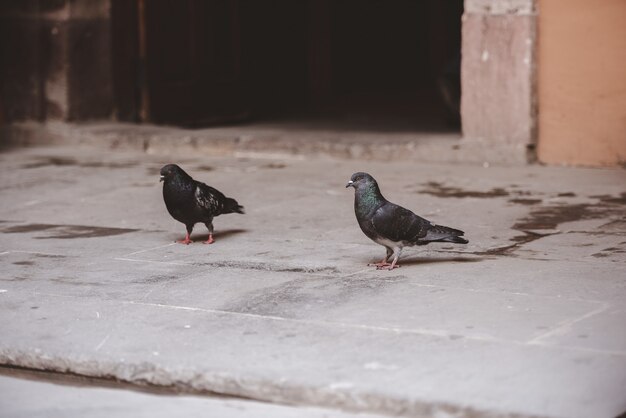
x=208, y=198
x=396, y=223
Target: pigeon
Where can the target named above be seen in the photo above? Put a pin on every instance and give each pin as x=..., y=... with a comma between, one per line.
x=190, y=201
x=393, y=226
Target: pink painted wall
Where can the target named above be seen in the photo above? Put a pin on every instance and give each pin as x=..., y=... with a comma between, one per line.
x=582, y=82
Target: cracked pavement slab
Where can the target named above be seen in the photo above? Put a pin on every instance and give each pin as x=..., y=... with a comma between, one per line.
x=526, y=320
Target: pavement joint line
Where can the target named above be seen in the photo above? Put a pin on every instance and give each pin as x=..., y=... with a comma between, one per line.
x=506, y=292
x=32, y=252
x=534, y=342
x=152, y=261
x=566, y=325
x=150, y=249
x=435, y=333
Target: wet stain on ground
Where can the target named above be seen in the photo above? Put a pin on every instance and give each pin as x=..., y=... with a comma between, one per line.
x=274, y=165
x=48, y=161
x=270, y=267
x=19, y=229
x=24, y=263
x=617, y=225
x=566, y=194
x=439, y=190
x=550, y=217
x=158, y=279
x=528, y=202
x=600, y=255
x=14, y=279
x=64, y=161
x=607, y=252
x=98, y=164
x=205, y=168
x=287, y=299
x=617, y=200
x=67, y=231
x=41, y=255
x=74, y=281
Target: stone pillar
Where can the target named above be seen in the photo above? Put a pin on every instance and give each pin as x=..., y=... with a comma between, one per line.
x=59, y=51
x=498, y=83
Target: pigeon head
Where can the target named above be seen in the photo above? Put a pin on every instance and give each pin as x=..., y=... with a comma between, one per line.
x=361, y=180
x=171, y=171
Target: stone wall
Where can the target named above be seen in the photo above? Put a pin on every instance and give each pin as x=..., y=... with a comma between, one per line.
x=56, y=60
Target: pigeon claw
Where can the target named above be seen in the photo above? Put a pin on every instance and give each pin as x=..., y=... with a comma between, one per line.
x=384, y=265
x=389, y=267
x=187, y=240
x=379, y=266
x=209, y=241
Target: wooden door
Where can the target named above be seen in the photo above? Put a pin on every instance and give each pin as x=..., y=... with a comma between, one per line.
x=193, y=74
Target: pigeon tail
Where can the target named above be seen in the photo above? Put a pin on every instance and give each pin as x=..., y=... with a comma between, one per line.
x=456, y=240
x=445, y=234
x=231, y=206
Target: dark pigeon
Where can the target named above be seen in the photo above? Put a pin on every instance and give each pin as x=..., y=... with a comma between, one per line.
x=190, y=201
x=393, y=226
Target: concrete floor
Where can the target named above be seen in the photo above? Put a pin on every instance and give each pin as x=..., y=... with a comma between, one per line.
x=526, y=320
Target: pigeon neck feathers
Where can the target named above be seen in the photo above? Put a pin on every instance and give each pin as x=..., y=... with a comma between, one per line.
x=181, y=178
x=367, y=199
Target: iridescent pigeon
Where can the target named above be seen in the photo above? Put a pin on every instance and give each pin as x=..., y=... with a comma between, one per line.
x=393, y=226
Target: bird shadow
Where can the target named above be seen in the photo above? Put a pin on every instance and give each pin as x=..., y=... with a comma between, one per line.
x=411, y=261
x=218, y=234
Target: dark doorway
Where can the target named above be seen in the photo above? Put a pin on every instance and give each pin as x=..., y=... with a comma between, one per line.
x=347, y=62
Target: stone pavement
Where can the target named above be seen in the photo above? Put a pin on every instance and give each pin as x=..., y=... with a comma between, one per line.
x=526, y=320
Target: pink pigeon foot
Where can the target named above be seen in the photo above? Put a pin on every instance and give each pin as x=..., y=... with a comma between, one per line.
x=185, y=241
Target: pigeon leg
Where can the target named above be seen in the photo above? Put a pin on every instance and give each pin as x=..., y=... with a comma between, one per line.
x=384, y=262
x=187, y=240
x=209, y=226
x=395, y=260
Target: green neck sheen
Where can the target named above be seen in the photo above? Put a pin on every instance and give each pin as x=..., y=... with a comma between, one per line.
x=367, y=199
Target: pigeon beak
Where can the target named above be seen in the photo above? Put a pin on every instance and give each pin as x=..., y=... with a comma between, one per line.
x=161, y=179
x=350, y=184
